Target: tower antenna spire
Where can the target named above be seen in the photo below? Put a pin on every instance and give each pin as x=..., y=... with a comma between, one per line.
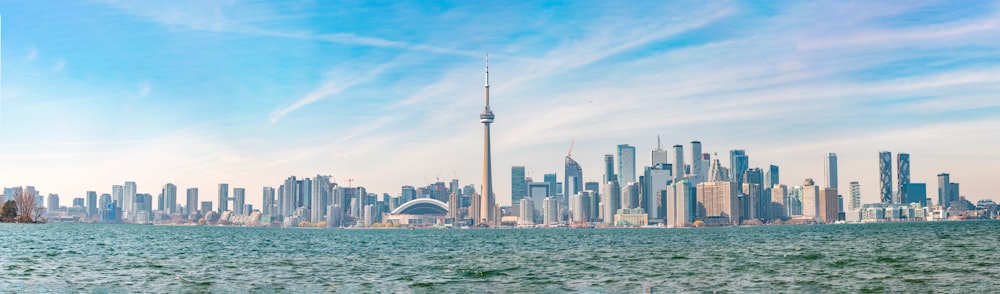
x=487, y=70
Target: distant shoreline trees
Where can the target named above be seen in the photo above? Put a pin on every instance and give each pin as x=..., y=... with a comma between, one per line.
x=23, y=209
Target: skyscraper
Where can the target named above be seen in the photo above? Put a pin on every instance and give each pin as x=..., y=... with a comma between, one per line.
x=718, y=203
x=609, y=168
x=192, y=201
x=92, y=208
x=885, y=176
x=738, y=164
x=760, y=203
x=658, y=155
x=678, y=204
x=595, y=198
x=903, y=177
x=486, y=206
x=611, y=201
x=697, y=167
x=118, y=196
x=779, y=202
x=678, y=162
x=223, y=197
x=267, y=201
x=771, y=178
x=53, y=202
x=828, y=205
x=518, y=187
x=944, y=190
x=626, y=164
x=810, y=200
x=572, y=180
x=830, y=163
x=239, y=200
x=169, y=198
x=855, y=201
x=129, y=197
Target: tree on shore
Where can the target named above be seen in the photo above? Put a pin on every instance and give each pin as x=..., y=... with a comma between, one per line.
x=9, y=211
x=28, y=210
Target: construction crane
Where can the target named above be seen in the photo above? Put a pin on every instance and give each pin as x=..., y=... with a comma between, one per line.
x=570, y=153
x=350, y=182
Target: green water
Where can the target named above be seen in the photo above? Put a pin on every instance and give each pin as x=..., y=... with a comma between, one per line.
x=958, y=257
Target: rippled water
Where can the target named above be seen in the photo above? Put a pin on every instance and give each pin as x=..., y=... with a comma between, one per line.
x=897, y=257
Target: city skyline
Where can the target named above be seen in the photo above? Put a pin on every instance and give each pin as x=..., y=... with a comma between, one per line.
x=249, y=94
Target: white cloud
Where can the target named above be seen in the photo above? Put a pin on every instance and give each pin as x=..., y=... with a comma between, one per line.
x=32, y=54
x=58, y=65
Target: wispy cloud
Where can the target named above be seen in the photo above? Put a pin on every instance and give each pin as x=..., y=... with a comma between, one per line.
x=58, y=65
x=31, y=55
x=332, y=86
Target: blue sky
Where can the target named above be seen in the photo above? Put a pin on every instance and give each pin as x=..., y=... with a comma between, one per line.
x=196, y=93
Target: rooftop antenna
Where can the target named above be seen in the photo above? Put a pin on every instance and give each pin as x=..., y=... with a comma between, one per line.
x=658, y=145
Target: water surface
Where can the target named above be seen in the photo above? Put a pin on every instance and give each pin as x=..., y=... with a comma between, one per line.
x=892, y=257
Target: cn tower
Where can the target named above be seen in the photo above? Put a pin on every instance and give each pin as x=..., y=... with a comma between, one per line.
x=487, y=202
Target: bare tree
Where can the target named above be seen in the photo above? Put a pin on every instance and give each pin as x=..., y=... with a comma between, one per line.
x=27, y=207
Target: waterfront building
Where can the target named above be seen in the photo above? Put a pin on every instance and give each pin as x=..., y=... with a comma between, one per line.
x=631, y=217
x=538, y=192
x=779, y=202
x=828, y=205
x=915, y=193
x=750, y=201
x=903, y=178
x=192, y=201
x=454, y=208
x=169, y=198
x=103, y=202
x=656, y=179
x=581, y=210
x=52, y=202
x=855, y=201
x=267, y=194
x=550, y=212
x=206, y=206
x=527, y=213
x=518, y=186
x=759, y=203
x=611, y=201
x=488, y=203
x=680, y=203
x=334, y=216
x=321, y=194
x=223, y=197
x=239, y=201
x=718, y=203
x=810, y=200
x=830, y=170
x=129, y=194
x=631, y=197
x=885, y=176
x=118, y=197
x=947, y=191
x=419, y=212
x=626, y=164
x=92, y=207
x=595, y=198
